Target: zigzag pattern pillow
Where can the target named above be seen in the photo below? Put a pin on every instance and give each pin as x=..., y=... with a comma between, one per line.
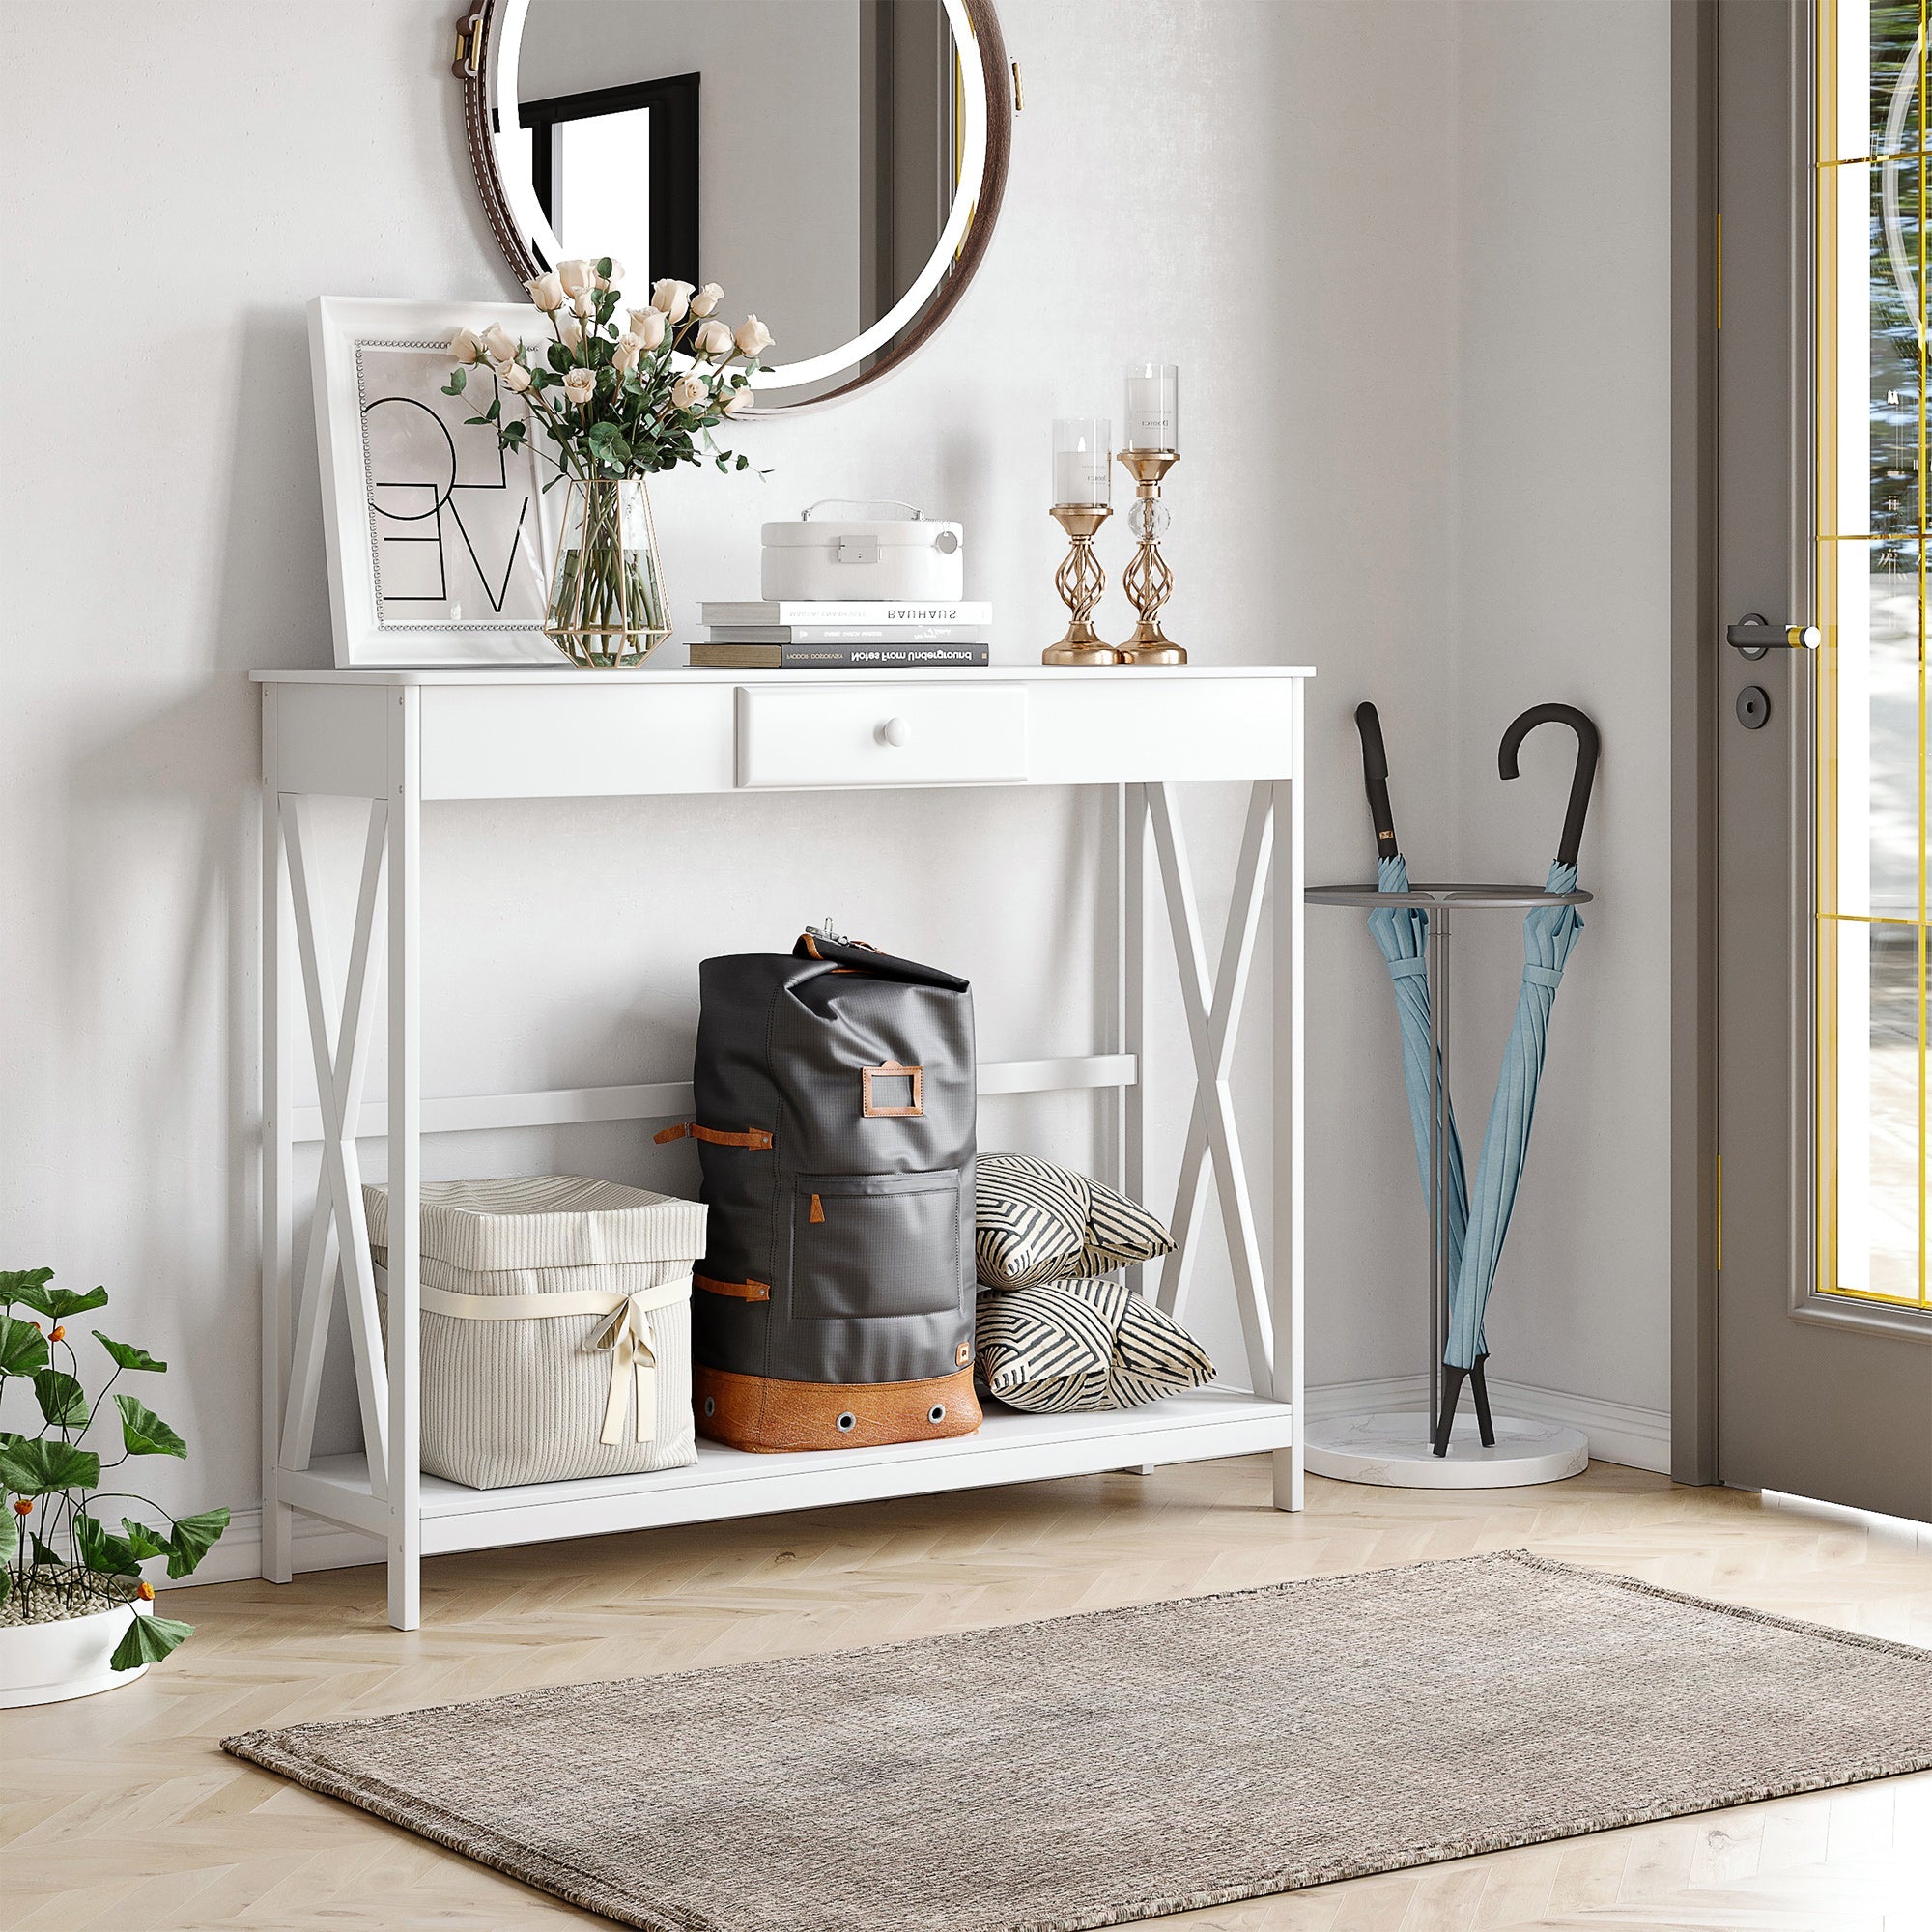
x=1083, y=1345
x=1039, y=1222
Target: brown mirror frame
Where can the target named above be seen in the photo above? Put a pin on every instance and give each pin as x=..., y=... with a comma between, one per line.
x=474, y=29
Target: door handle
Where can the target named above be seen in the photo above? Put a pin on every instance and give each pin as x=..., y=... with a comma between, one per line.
x=1753, y=636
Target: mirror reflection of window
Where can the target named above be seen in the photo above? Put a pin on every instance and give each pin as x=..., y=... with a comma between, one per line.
x=811, y=171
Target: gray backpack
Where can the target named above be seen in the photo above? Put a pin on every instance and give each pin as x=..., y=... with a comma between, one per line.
x=835, y=1097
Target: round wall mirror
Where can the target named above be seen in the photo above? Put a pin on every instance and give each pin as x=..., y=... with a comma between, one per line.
x=835, y=165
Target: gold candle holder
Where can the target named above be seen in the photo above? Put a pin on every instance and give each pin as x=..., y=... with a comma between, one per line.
x=1080, y=581
x=1148, y=583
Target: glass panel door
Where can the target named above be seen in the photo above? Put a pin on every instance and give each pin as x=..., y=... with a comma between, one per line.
x=1869, y=750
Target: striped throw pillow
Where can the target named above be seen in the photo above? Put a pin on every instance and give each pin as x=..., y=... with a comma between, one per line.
x=1039, y=1222
x=1083, y=1345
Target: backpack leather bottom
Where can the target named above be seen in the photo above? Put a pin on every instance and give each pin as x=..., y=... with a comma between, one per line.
x=762, y=1414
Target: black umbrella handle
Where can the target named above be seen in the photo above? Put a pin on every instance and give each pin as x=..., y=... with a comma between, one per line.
x=1375, y=778
x=1581, y=780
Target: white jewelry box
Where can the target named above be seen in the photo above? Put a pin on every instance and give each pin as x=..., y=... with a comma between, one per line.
x=837, y=560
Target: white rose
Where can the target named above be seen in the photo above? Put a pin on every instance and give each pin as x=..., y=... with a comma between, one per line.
x=672, y=299
x=576, y=276
x=500, y=344
x=688, y=392
x=615, y=275
x=740, y=398
x=713, y=338
x=546, y=292
x=516, y=378
x=579, y=384
x=465, y=346
x=583, y=307
x=624, y=358
x=570, y=331
x=706, y=299
x=753, y=335
x=646, y=326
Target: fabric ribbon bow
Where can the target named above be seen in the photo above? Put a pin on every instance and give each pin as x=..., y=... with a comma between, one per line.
x=627, y=1335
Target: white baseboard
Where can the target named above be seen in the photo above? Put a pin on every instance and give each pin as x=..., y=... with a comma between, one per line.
x=1640, y=1438
x=238, y=1556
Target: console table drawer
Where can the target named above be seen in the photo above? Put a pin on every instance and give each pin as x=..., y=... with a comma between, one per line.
x=942, y=734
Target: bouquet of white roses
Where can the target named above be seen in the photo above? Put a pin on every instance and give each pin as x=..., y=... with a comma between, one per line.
x=617, y=402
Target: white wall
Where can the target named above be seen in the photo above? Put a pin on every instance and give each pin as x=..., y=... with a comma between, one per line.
x=1296, y=228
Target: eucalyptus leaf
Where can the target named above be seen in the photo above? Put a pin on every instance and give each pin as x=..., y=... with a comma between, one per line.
x=62, y=1399
x=458, y=377
x=193, y=1538
x=41, y=1466
x=148, y=1641
x=144, y=1433
x=124, y=1355
x=23, y=1349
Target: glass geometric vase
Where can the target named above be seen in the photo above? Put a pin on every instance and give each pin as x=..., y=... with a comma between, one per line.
x=607, y=608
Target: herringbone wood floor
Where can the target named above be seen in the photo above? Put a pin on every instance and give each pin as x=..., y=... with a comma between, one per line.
x=119, y=1810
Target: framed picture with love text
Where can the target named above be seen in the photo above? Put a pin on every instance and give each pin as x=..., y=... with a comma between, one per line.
x=438, y=540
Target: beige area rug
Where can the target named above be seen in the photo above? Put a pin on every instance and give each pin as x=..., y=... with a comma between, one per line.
x=1090, y=1771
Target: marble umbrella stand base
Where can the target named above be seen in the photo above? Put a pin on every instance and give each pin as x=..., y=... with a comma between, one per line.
x=1395, y=1450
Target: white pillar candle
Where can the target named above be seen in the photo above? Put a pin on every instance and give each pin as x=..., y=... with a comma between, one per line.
x=1082, y=459
x=1154, y=406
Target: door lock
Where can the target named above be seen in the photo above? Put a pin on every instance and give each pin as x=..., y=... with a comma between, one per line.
x=1752, y=637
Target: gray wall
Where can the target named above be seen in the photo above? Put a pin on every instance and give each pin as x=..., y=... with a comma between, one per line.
x=1421, y=319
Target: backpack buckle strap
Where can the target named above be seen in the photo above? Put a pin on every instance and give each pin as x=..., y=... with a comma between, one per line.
x=757, y=1138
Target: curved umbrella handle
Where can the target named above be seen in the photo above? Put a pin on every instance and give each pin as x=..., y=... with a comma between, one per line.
x=1375, y=778
x=1581, y=779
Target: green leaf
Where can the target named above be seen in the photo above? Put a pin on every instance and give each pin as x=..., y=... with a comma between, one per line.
x=144, y=1432
x=63, y=1401
x=45, y=1552
x=125, y=1356
x=6, y=1585
x=9, y=1535
x=603, y=267
x=15, y=1283
x=143, y=1541
x=43, y=1466
x=148, y=1641
x=102, y=1551
x=23, y=1349
x=458, y=377
x=193, y=1538
x=55, y=1303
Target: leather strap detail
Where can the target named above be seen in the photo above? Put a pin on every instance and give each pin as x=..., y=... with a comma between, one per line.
x=766, y=1414
x=742, y=1291
x=752, y=1137
x=818, y=1213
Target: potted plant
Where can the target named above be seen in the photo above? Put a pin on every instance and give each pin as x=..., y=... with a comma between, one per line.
x=617, y=405
x=77, y=1615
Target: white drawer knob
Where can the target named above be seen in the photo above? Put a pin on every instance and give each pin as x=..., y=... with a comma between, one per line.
x=894, y=732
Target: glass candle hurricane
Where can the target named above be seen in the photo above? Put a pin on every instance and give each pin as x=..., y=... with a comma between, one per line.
x=1083, y=463
x=1154, y=406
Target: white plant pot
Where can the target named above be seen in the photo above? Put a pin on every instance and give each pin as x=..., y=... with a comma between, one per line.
x=46, y=1664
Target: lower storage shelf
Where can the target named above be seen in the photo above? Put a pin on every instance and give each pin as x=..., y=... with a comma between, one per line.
x=1008, y=1447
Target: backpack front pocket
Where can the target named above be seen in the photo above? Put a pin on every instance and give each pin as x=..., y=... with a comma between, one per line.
x=875, y=1245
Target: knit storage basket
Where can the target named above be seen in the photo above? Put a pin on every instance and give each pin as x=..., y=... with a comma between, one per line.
x=516, y=1392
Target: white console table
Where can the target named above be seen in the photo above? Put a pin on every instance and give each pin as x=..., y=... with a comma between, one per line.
x=402, y=739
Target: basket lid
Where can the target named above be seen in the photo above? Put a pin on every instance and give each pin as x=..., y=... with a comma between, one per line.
x=901, y=533
x=545, y=1220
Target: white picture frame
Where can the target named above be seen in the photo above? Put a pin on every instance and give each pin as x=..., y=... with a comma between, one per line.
x=438, y=542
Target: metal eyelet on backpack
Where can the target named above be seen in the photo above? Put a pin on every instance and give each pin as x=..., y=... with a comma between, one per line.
x=936, y=1413
x=710, y=1405
x=847, y=1423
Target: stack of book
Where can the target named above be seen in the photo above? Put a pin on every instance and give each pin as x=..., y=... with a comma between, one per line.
x=844, y=637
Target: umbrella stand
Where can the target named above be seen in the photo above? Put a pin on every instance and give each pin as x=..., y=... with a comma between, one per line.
x=1398, y=1449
